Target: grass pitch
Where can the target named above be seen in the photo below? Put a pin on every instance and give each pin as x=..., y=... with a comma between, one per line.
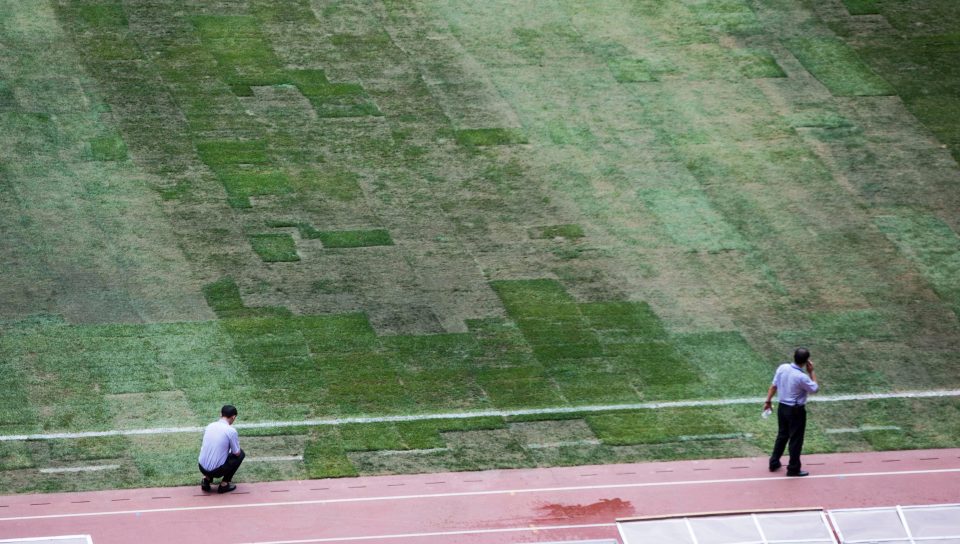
x=315, y=209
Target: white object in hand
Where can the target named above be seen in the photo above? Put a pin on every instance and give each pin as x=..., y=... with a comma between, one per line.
x=766, y=413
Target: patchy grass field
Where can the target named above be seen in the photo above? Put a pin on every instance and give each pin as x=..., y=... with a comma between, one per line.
x=318, y=208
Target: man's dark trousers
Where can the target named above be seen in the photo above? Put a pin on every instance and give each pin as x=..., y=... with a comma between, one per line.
x=792, y=421
x=227, y=469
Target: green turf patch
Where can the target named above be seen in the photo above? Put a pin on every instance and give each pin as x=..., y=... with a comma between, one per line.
x=819, y=119
x=244, y=57
x=338, y=333
x=325, y=457
x=623, y=322
x=217, y=153
x=723, y=164
x=501, y=344
x=7, y=100
x=223, y=297
x=243, y=183
x=333, y=99
x=364, y=384
x=87, y=449
x=932, y=245
x=291, y=11
x=634, y=70
x=16, y=411
x=420, y=435
x=655, y=426
x=108, y=148
x=432, y=350
x=838, y=67
x=371, y=437
x=726, y=16
x=663, y=371
x=99, y=15
x=550, y=331
x=569, y=231
x=354, y=238
x=436, y=370
x=535, y=298
x=592, y=381
x=756, y=63
x=833, y=328
x=162, y=458
x=338, y=185
x=729, y=366
x=519, y=387
x=691, y=221
x=490, y=136
x=443, y=389
x=426, y=434
x=862, y=7
x=713, y=61
x=14, y=455
x=274, y=248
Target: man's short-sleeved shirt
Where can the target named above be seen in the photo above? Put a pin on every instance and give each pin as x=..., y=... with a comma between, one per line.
x=793, y=384
x=219, y=439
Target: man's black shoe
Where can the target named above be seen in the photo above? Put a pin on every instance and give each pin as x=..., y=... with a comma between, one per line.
x=205, y=485
x=775, y=466
x=230, y=487
x=799, y=473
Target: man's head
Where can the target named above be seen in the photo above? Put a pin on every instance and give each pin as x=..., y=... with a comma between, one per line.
x=229, y=412
x=801, y=356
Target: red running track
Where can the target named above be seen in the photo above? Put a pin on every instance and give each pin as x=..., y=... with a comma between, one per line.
x=492, y=507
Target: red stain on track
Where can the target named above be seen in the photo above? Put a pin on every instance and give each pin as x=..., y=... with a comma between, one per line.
x=605, y=509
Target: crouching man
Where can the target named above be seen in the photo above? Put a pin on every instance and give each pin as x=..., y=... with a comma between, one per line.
x=220, y=453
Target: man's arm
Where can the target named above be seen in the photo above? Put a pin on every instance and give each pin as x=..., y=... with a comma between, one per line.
x=813, y=377
x=770, y=393
x=234, y=442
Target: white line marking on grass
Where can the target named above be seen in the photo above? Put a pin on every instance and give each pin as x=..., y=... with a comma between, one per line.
x=935, y=393
x=573, y=488
x=408, y=452
x=529, y=528
x=863, y=429
x=724, y=436
x=274, y=458
x=92, y=468
x=588, y=442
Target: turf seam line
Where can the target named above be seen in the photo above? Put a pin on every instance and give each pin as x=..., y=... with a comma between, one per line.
x=484, y=413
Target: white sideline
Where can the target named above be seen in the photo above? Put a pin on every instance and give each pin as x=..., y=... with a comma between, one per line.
x=92, y=468
x=863, y=429
x=275, y=458
x=486, y=413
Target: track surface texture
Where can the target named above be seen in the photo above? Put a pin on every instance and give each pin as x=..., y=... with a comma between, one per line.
x=537, y=505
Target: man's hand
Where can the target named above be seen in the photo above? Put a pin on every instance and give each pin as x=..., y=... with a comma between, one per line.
x=767, y=405
x=809, y=366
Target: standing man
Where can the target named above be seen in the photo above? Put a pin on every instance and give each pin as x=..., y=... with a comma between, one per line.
x=220, y=453
x=793, y=381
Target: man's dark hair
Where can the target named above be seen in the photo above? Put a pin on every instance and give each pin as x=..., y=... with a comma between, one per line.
x=801, y=356
x=228, y=410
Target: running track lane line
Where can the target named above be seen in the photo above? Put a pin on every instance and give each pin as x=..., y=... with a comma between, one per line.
x=476, y=493
x=530, y=528
x=934, y=393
